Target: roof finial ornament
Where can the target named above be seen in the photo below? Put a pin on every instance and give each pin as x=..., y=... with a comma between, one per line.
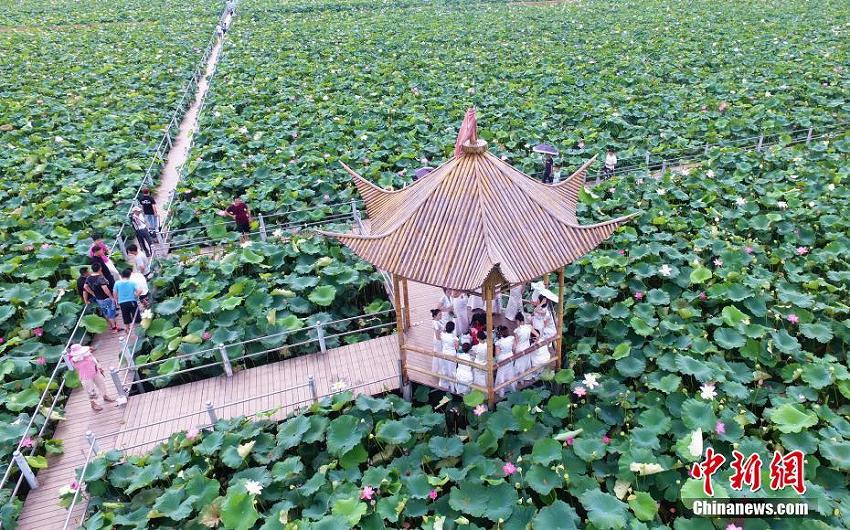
x=468, y=132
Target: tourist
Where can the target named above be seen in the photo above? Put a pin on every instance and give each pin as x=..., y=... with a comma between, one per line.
x=150, y=210
x=540, y=358
x=445, y=367
x=138, y=261
x=477, y=323
x=446, y=308
x=610, y=164
x=436, y=341
x=126, y=293
x=229, y=7
x=142, y=285
x=98, y=288
x=219, y=32
x=81, y=282
x=556, y=175
x=99, y=255
x=464, y=371
x=504, y=351
x=479, y=353
x=547, y=169
x=239, y=212
x=522, y=336
x=143, y=236
x=460, y=309
x=90, y=374
x=514, y=304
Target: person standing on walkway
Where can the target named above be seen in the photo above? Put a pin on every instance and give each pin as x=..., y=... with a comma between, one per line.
x=547, y=169
x=143, y=235
x=98, y=288
x=138, y=261
x=150, y=210
x=610, y=164
x=239, y=212
x=126, y=293
x=90, y=373
x=99, y=255
x=230, y=7
x=142, y=285
x=81, y=283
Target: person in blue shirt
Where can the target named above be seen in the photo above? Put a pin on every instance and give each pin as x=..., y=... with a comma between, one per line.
x=126, y=293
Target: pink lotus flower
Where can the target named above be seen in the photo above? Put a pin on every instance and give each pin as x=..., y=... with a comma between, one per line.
x=792, y=318
x=40, y=360
x=2, y=340
x=432, y=495
x=480, y=409
x=639, y=295
x=27, y=442
x=720, y=427
x=580, y=391
x=606, y=439
x=206, y=336
x=702, y=296
x=718, y=262
x=367, y=493
x=45, y=246
x=38, y=332
x=733, y=526
x=570, y=440
x=748, y=250
x=192, y=433
x=509, y=469
x=621, y=252
x=802, y=251
x=75, y=485
x=29, y=248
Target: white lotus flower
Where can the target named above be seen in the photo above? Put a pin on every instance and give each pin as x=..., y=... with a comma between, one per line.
x=364, y=137
x=645, y=469
x=707, y=391
x=782, y=204
x=661, y=191
x=147, y=314
x=338, y=386
x=830, y=186
x=740, y=201
x=253, y=487
x=590, y=381
x=665, y=270
x=709, y=174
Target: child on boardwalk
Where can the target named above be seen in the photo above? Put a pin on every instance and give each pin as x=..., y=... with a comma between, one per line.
x=90, y=373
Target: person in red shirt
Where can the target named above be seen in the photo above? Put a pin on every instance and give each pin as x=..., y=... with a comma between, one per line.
x=240, y=213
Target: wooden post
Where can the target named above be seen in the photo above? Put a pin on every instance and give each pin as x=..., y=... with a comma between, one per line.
x=488, y=292
x=406, y=305
x=560, y=323
x=399, y=324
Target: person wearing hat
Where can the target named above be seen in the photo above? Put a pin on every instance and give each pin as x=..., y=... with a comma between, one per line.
x=90, y=373
x=143, y=235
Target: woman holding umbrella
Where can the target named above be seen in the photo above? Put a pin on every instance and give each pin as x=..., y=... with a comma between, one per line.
x=548, y=152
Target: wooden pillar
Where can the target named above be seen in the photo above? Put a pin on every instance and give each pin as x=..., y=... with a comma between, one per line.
x=399, y=323
x=406, y=304
x=560, y=324
x=488, y=293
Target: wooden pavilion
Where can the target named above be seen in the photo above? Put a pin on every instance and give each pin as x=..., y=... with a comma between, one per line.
x=475, y=224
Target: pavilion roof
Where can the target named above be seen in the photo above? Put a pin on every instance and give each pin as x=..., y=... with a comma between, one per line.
x=475, y=217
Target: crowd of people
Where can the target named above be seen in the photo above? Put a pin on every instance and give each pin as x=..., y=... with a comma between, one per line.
x=460, y=331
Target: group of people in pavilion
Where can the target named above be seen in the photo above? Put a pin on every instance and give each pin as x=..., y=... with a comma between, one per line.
x=460, y=331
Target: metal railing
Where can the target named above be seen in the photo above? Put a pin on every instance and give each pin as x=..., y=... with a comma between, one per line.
x=225, y=360
x=120, y=241
x=210, y=410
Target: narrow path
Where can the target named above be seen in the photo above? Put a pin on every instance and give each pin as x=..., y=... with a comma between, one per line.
x=41, y=508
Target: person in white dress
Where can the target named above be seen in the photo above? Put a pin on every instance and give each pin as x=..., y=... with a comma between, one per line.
x=514, y=305
x=464, y=371
x=460, y=306
x=437, y=344
x=449, y=342
x=539, y=359
x=479, y=354
x=445, y=306
x=522, y=334
x=544, y=325
x=504, y=351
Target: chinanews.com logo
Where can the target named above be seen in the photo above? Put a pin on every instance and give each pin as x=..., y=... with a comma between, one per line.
x=784, y=477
